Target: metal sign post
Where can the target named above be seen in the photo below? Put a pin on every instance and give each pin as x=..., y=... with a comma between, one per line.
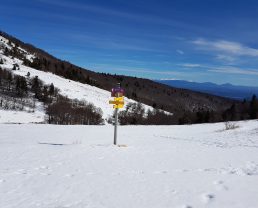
x=118, y=102
x=115, y=130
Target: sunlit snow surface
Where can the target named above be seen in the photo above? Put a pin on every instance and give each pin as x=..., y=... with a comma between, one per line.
x=48, y=166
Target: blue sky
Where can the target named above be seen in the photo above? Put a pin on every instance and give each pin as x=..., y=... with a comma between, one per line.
x=194, y=40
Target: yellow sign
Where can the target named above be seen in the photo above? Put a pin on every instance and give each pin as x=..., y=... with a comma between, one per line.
x=118, y=106
x=119, y=98
x=118, y=102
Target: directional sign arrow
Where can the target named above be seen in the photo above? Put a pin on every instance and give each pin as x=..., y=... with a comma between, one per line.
x=116, y=102
x=119, y=98
x=118, y=106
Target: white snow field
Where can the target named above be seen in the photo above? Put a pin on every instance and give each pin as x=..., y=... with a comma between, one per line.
x=195, y=166
x=11, y=116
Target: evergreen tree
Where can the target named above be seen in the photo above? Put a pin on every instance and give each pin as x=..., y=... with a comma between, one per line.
x=45, y=94
x=51, y=89
x=36, y=87
x=253, y=112
x=6, y=51
x=23, y=85
x=14, y=67
x=18, y=86
x=9, y=79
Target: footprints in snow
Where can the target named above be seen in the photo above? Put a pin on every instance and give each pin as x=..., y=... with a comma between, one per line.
x=219, y=185
x=21, y=172
x=43, y=170
x=250, y=169
x=69, y=175
x=160, y=172
x=186, y=206
x=207, y=198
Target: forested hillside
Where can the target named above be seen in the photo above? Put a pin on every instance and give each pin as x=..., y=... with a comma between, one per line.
x=23, y=93
x=185, y=106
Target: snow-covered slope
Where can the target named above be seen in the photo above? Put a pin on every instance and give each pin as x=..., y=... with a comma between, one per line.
x=12, y=116
x=48, y=166
x=69, y=88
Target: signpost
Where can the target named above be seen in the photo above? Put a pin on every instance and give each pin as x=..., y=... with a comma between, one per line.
x=118, y=102
x=115, y=130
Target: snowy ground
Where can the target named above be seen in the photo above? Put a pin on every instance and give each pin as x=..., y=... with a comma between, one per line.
x=11, y=116
x=47, y=166
x=15, y=116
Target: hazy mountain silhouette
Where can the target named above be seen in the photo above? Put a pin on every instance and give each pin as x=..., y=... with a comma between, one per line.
x=225, y=90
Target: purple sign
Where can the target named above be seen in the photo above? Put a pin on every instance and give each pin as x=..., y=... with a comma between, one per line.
x=117, y=92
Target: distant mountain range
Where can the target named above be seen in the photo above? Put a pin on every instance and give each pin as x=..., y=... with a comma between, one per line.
x=187, y=106
x=149, y=92
x=224, y=90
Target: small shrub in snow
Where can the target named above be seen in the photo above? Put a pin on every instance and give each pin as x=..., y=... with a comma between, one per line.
x=230, y=125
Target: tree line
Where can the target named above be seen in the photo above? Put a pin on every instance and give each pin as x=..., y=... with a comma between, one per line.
x=135, y=114
x=21, y=93
x=159, y=96
x=66, y=111
x=207, y=108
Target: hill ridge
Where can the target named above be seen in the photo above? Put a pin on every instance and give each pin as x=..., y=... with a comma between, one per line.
x=160, y=96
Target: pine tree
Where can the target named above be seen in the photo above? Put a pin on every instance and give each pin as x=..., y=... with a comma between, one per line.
x=51, y=89
x=18, y=86
x=253, y=112
x=36, y=87
x=10, y=79
x=6, y=51
x=45, y=94
x=23, y=85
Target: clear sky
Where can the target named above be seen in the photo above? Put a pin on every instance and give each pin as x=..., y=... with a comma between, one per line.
x=194, y=40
